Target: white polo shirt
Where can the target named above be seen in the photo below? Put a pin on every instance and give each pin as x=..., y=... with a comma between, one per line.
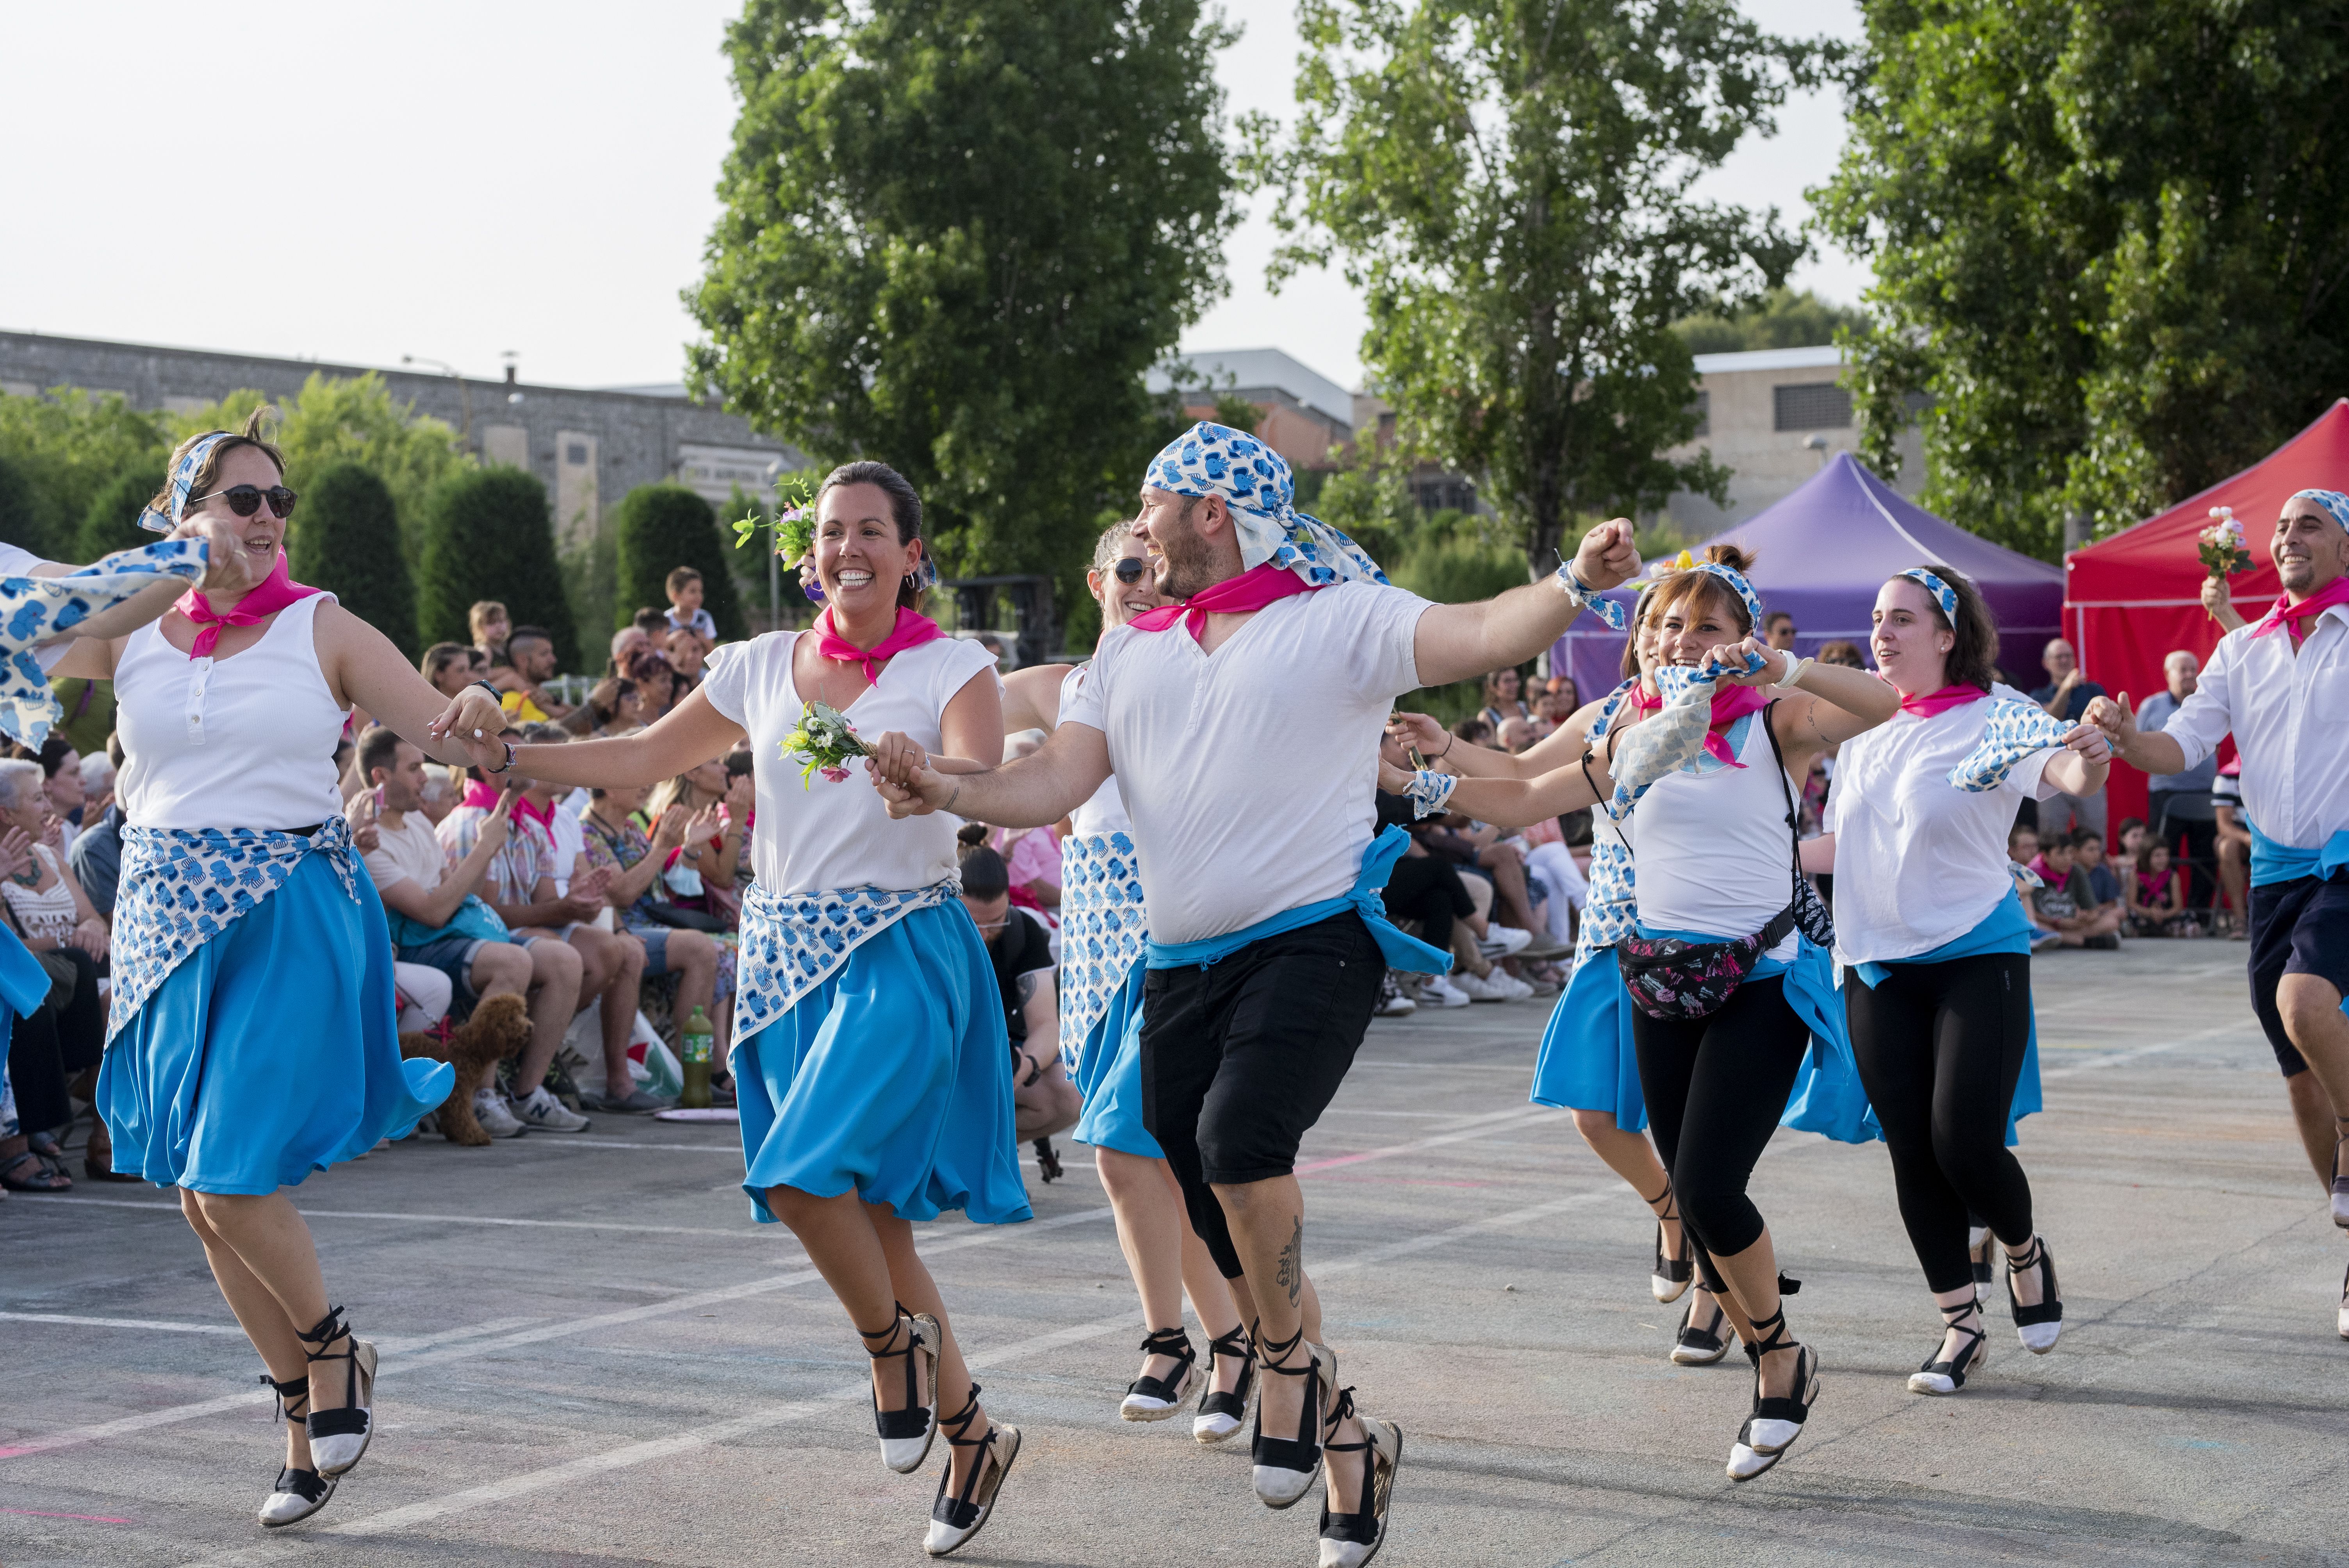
x=2289, y=715
x=1249, y=772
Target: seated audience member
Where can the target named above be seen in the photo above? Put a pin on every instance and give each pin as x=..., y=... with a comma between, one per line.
x=50, y=907
x=491, y=626
x=1481, y=850
x=53, y=1052
x=703, y=965
x=1449, y=910
x=1032, y=857
x=1044, y=1102
x=686, y=647
x=2057, y=910
x=526, y=699
x=2101, y=886
x=1516, y=735
x=2131, y=838
x=437, y=919
x=1503, y=698
x=2156, y=896
x=98, y=770
x=2022, y=849
x=95, y=857
x=448, y=667
x=655, y=682
x=1842, y=653
x=1474, y=730
x=685, y=593
x=625, y=643
x=61, y=786
x=653, y=623
x=704, y=871
x=614, y=706
x=2234, y=853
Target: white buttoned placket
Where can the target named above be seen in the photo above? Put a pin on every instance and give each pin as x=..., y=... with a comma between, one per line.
x=200, y=681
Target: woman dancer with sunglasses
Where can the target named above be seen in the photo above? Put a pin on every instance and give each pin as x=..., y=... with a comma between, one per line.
x=253, y=1038
x=1937, y=947
x=1713, y=845
x=1588, y=1063
x=870, y=1065
x=1104, y=938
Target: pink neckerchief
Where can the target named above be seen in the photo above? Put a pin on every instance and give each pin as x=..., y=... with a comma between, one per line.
x=483, y=793
x=1729, y=705
x=911, y=631
x=1642, y=700
x=543, y=815
x=2284, y=612
x=1251, y=590
x=2044, y=871
x=1925, y=705
x=274, y=594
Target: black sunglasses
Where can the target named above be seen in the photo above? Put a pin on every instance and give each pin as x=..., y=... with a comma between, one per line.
x=1131, y=570
x=245, y=500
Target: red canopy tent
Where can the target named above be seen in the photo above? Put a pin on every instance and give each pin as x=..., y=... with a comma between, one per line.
x=2131, y=599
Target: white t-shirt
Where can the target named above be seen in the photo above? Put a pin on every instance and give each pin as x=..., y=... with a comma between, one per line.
x=410, y=852
x=829, y=836
x=1713, y=852
x=17, y=562
x=570, y=843
x=1920, y=862
x=1250, y=772
x=1104, y=813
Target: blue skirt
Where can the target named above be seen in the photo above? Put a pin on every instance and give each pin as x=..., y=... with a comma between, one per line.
x=892, y=1079
x=1108, y=1073
x=1587, y=1061
x=272, y=1051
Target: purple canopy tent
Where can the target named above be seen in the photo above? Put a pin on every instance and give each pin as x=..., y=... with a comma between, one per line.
x=1822, y=552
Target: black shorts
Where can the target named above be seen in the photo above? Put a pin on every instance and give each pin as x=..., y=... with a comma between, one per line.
x=1239, y=1058
x=2298, y=927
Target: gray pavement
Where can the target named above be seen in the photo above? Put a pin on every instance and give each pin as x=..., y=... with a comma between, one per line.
x=593, y=1356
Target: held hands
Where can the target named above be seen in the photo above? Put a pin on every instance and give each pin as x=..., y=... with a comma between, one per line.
x=1607, y=556
x=473, y=720
x=2094, y=746
x=2115, y=718
x=900, y=770
x=1734, y=656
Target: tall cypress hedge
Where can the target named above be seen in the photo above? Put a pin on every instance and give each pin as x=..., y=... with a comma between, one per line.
x=346, y=539
x=111, y=523
x=488, y=533
x=664, y=526
x=21, y=522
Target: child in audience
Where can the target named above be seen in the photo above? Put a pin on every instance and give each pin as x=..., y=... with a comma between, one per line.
x=2156, y=895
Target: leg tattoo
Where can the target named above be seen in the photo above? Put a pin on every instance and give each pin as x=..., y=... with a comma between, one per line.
x=1291, y=1276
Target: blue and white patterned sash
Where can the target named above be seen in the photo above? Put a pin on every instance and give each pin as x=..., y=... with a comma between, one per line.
x=1103, y=931
x=1609, y=912
x=35, y=609
x=182, y=887
x=2012, y=732
x=792, y=944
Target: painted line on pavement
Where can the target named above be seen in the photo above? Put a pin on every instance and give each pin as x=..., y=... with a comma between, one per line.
x=2117, y=1057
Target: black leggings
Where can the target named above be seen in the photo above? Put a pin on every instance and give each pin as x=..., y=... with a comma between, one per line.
x=1940, y=1048
x=49, y=1047
x=1715, y=1088
x=1425, y=888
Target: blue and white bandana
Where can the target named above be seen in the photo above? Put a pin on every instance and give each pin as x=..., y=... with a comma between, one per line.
x=1736, y=579
x=182, y=887
x=792, y=944
x=1253, y=480
x=1429, y=792
x=2013, y=731
x=1673, y=738
x=1592, y=599
x=183, y=481
x=1104, y=930
x=2333, y=502
x=1943, y=594
x=35, y=609
x=1610, y=912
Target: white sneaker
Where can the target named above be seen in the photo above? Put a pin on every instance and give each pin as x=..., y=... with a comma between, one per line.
x=1394, y=1004
x=543, y=1112
x=1485, y=989
x=489, y=1110
x=1512, y=989
x=1500, y=941
x=1438, y=990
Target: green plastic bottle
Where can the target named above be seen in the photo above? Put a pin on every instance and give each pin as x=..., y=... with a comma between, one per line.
x=695, y=1042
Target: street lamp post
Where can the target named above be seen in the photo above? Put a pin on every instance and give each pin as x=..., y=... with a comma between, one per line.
x=465, y=392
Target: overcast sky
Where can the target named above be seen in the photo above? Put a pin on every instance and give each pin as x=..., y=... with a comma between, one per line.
x=460, y=180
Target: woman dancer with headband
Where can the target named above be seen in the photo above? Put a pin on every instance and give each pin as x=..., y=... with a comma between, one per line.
x=870, y=1065
x=1937, y=947
x=1713, y=844
x=1104, y=935
x=1588, y=1063
x=253, y=1038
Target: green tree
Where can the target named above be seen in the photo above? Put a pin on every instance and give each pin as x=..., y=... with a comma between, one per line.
x=957, y=233
x=111, y=523
x=21, y=522
x=2108, y=244
x=339, y=420
x=1782, y=319
x=1508, y=183
x=659, y=527
x=346, y=539
x=488, y=533
x=71, y=445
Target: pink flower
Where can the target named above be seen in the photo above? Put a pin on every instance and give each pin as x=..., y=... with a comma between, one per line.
x=834, y=775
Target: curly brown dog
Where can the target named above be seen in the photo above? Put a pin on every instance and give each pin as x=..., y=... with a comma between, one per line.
x=499, y=1029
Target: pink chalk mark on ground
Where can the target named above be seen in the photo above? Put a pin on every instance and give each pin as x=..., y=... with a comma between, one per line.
x=36, y=1513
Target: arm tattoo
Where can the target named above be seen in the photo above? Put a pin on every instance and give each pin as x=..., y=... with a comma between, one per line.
x=948, y=807
x=1026, y=985
x=1291, y=1274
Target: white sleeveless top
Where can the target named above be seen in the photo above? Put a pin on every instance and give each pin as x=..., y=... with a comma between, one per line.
x=830, y=835
x=1712, y=850
x=246, y=741
x=1105, y=811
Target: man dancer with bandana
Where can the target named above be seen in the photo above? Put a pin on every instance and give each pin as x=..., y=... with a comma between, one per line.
x=2282, y=687
x=1244, y=723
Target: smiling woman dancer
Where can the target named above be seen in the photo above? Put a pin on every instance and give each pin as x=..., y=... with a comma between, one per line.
x=1104, y=940
x=870, y=1059
x=1588, y=1064
x=1935, y=946
x=1713, y=844
x=252, y=1038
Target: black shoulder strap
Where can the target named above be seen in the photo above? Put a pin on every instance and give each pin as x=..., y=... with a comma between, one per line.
x=1793, y=825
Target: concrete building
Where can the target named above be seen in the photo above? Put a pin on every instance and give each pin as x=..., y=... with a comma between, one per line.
x=1301, y=413
x=590, y=446
x=1774, y=416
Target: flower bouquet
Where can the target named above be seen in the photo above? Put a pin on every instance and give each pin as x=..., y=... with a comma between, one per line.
x=794, y=526
x=2221, y=545
x=824, y=740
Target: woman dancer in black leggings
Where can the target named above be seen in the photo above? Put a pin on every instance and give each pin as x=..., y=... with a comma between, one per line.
x=1938, y=949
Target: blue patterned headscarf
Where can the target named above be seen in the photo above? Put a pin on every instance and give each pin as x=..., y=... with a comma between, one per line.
x=1943, y=594
x=1253, y=480
x=2333, y=502
x=183, y=481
